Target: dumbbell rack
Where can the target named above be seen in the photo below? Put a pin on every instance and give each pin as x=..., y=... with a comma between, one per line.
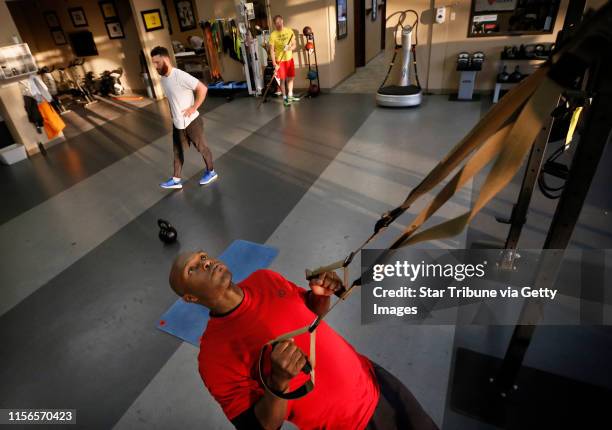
x=499, y=86
x=467, y=78
x=311, y=38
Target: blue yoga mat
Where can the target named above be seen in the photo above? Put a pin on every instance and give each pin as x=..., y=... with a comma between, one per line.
x=187, y=321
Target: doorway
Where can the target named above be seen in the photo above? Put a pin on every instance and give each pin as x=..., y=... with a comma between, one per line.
x=383, y=25
x=360, y=42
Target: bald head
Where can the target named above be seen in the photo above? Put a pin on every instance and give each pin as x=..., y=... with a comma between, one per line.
x=177, y=278
x=199, y=278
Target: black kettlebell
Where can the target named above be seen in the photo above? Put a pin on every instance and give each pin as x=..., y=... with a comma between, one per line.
x=513, y=52
x=516, y=76
x=540, y=51
x=167, y=233
x=504, y=76
x=313, y=90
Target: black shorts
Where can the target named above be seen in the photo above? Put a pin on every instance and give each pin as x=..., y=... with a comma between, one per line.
x=193, y=134
x=397, y=408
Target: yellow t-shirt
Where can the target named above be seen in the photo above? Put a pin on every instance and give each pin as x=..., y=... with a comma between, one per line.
x=278, y=39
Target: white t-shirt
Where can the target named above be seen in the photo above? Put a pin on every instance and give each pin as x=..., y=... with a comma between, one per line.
x=179, y=87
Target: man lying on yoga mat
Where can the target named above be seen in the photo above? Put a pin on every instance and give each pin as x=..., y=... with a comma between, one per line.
x=351, y=392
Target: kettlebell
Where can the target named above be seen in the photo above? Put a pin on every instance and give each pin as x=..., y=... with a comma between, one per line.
x=167, y=233
x=516, y=76
x=313, y=90
x=504, y=76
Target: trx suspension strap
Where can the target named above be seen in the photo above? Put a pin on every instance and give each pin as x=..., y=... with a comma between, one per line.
x=505, y=134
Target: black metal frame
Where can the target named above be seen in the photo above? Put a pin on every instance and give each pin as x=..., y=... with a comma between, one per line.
x=596, y=134
x=586, y=53
x=518, y=217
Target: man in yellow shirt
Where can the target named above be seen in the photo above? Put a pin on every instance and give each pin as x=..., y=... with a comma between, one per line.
x=282, y=44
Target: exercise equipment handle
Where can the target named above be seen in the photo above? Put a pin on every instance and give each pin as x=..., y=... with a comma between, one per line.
x=313, y=274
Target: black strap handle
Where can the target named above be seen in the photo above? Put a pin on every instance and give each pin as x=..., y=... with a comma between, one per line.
x=299, y=392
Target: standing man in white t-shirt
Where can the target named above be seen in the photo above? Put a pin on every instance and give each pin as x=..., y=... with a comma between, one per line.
x=179, y=88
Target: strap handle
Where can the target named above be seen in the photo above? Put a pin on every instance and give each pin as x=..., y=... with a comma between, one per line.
x=309, y=367
x=312, y=274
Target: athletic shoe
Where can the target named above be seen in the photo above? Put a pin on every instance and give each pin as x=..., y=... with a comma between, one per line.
x=208, y=177
x=172, y=184
x=286, y=102
x=294, y=99
x=278, y=94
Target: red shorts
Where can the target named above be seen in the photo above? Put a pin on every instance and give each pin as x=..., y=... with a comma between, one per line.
x=286, y=69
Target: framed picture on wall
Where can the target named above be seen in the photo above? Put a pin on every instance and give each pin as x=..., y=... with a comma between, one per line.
x=107, y=7
x=341, y=19
x=152, y=19
x=185, y=14
x=77, y=15
x=58, y=36
x=51, y=19
x=114, y=30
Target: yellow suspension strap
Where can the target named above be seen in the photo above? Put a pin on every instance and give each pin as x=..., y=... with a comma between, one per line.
x=488, y=136
x=505, y=134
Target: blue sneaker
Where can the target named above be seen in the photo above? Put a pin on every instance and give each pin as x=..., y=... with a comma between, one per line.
x=208, y=177
x=172, y=184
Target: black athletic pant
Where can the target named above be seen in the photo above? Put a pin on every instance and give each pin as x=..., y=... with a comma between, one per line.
x=193, y=134
x=397, y=408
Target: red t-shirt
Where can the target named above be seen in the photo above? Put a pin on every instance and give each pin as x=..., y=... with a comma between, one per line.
x=345, y=393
